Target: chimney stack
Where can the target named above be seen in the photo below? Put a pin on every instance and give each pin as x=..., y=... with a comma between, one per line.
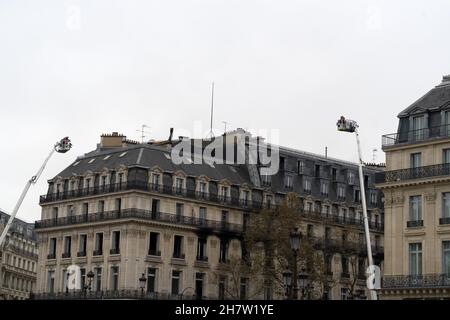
x=113, y=140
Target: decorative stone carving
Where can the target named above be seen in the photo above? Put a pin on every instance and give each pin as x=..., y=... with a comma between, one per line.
x=399, y=200
x=431, y=196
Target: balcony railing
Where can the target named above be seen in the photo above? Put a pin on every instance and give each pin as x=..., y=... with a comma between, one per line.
x=334, y=218
x=444, y=220
x=416, y=281
x=415, y=136
x=81, y=254
x=22, y=251
x=154, y=252
x=141, y=214
x=113, y=294
x=65, y=255
x=179, y=255
x=114, y=251
x=202, y=258
x=413, y=173
x=97, y=253
x=143, y=186
x=51, y=256
x=339, y=245
x=414, y=223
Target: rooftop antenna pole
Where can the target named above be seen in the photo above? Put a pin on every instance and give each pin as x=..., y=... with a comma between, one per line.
x=212, y=111
x=225, y=123
x=61, y=146
x=142, y=132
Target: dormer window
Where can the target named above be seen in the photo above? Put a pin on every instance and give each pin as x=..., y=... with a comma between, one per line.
x=266, y=179
x=351, y=177
x=419, y=128
x=224, y=191
x=245, y=197
x=103, y=181
x=202, y=188
x=156, y=179
x=288, y=181
x=179, y=185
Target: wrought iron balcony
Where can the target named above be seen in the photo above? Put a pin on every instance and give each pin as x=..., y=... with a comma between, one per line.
x=154, y=252
x=444, y=220
x=415, y=136
x=345, y=275
x=51, y=256
x=81, y=254
x=114, y=251
x=335, y=218
x=205, y=224
x=414, y=223
x=416, y=281
x=65, y=255
x=413, y=173
x=97, y=253
x=135, y=294
x=143, y=186
x=202, y=258
x=21, y=251
x=178, y=255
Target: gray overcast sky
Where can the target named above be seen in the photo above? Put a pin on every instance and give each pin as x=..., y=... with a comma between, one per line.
x=82, y=68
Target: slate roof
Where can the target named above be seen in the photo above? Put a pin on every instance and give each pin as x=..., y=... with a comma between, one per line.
x=148, y=156
x=4, y=217
x=434, y=99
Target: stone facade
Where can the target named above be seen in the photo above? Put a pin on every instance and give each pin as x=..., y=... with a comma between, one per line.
x=18, y=260
x=125, y=210
x=416, y=185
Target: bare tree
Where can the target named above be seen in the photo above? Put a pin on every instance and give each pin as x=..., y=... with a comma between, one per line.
x=268, y=235
x=235, y=270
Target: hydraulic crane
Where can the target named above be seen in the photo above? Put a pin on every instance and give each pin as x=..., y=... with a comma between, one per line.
x=61, y=146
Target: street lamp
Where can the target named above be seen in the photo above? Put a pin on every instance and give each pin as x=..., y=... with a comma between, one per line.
x=142, y=282
x=287, y=277
x=90, y=276
x=351, y=126
x=294, y=238
x=305, y=284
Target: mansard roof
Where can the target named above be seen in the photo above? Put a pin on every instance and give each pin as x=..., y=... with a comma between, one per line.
x=149, y=156
x=434, y=100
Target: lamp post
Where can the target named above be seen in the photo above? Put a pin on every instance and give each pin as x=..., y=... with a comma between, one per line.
x=294, y=238
x=142, y=282
x=287, y=276
x=304, y=284
x=351, y=126
x=90, y=276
